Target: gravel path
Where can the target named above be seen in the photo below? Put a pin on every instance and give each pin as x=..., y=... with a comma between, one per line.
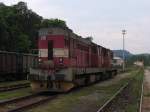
x=146, y=96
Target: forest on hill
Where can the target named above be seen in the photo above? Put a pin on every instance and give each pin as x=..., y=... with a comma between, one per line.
x=131, y=58
x=119, y=53
x=139, y=57
x=19, y=27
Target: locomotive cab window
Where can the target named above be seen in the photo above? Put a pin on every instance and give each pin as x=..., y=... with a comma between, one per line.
x=50, y=50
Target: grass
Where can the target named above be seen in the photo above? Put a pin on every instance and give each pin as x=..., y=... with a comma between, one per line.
x=15, y=93
x=3, y=84
x=87, y=99
x=135, y=91
x=147, y=94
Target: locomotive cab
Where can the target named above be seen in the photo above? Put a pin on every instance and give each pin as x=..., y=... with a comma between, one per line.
x=52, y=71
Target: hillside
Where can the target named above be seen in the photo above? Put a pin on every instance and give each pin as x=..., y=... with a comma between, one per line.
x=131, y=58
x=119, y=53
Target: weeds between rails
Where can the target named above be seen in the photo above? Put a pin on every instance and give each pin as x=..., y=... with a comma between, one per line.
x=26, y=102
x=14, y=87
x=127, y=97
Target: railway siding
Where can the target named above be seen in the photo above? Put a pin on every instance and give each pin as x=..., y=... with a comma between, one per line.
x=88, y=98
x=13, y=83
x=15, y=93
x=14, y=87
x=25, y=102
x=128, y=99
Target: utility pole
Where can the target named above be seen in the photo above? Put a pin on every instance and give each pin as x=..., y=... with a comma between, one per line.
x=123, y=53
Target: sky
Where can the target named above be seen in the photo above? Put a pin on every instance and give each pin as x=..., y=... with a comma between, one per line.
x=104, y=20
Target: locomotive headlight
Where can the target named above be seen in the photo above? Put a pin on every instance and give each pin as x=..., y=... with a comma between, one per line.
x=61, y=60
x=40, y=60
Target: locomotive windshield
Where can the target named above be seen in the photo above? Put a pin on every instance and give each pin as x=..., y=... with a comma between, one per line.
x=50, y=50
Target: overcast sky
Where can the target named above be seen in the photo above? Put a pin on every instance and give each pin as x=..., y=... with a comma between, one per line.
x=102, y=19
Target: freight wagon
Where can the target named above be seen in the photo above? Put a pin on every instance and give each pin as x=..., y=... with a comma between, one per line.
x=68, y=60
x=15, y=66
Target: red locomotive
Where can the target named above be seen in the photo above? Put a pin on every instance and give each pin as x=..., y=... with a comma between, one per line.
x=68, y=60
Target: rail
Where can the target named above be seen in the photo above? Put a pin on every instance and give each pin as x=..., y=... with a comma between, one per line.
x=14, y=87
x=24, y=103
x=112, y=98
x=141, y=99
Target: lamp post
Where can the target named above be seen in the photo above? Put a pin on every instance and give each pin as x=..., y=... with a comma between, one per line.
x=123, y=55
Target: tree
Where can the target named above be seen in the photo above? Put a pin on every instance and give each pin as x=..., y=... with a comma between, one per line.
x=140, y=57
x=90, y=38
x=19, y=27
x=53, y=23
x=23, y=43
x=3, y=34
x=15, y=21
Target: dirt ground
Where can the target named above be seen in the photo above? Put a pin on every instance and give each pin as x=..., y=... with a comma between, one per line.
x=114, y=80
x=146, y=95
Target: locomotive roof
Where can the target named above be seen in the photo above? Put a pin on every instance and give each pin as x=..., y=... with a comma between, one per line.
x=67, y=33
x=61, y=31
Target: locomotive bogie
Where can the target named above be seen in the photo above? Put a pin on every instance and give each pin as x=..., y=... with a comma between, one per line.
x=53, y=86
x=66, y=79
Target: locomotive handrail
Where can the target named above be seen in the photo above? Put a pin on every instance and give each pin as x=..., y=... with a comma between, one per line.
x=10, y=52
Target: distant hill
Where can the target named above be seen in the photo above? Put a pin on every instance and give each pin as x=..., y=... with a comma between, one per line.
x=119, y=53
x=131, y=58
x=144, y=54
x=140, y=57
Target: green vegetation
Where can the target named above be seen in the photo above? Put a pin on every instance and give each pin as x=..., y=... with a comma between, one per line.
x=147, y=94
x=142, y=57
x=88, y=98
x=19, y=27
x=15, y=93
x=53, y=23
x=135, y=92
x=131, y=58
x=4, y=84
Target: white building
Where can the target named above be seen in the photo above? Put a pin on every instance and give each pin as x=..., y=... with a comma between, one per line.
x=139, y=63
x=117, y=61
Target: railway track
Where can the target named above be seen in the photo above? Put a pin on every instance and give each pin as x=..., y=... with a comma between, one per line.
x=128, y=97
x=108, y=106
x=14, y=87
x=141, y=99
x=24, y=103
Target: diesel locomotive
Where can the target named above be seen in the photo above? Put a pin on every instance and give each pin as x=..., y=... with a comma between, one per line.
x=67, y=60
